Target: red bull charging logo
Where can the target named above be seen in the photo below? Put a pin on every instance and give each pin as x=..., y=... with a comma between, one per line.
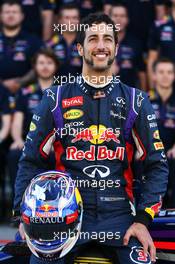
x=97, y=135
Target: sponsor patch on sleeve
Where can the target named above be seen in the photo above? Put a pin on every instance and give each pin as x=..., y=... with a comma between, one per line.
x=158, y=145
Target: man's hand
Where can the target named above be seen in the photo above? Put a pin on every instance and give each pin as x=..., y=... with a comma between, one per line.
x=21, y=231
x=18, y=144
x=12, y=85
x=171, y=153
x=140, y=231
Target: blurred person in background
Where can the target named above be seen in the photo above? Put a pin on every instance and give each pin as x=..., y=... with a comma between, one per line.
x=161, y=41
x=39, y=16
x=16, y=46
x=45, y=64
x=5, y=123
x=63, y=41
x=89, y=6
x=85, y=6
x=107, y=6
x=161, y=9
x=142, y=15
x=129, y=64
x=163, y=101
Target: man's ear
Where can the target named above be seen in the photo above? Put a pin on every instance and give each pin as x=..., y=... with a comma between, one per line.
x=80, y=49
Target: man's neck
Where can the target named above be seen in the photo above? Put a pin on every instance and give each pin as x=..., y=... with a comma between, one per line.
x=97, y=79
x=45, y=83
x=121, y=35
x=69, y=37
x=11, y=32
x=164, y=92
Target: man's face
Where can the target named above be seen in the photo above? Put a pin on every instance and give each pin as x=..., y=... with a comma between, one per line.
x=70, y=19
x=11, y=15
x=107, y=9
x=164, y=74
x=45, y=67
x=99, y=47
x=119, y=16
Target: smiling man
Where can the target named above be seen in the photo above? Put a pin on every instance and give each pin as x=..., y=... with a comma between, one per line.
x=109, y=120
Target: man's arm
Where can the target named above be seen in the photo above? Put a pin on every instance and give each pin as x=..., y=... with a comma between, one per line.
x=14, y=84
x=140, y=64
x=47, y=20
x=5, y=129
x=142, y=80
x=152, y=57
x=5, y=114
x=17, y=131
x=47, y=14
x=35, y=157
x=150, y=146
x=153, y=52
x=150, y=150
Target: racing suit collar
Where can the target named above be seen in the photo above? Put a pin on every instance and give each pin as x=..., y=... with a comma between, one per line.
x=89, y=88
x=96, y=86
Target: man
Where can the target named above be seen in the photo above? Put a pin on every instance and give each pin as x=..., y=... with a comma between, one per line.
x=16, y=46
x=85, y=6
x=140, y=21
x=93, y=124
x=42, y=12
x=161, y=42
x=45, y=65
x=64, y=41
x=107, y=6
x=129, y=60
x=161, y=9
x=163, y=102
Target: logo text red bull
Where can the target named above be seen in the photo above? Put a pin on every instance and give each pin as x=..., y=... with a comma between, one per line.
x=72, y=153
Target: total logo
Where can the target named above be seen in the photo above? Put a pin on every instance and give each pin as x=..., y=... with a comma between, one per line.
x=97, y=135
x=73, y=101
x=72, y=153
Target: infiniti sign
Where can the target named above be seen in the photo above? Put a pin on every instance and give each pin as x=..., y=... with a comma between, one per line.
x=92, y=170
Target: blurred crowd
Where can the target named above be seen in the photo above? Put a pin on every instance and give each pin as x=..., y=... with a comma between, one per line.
x=34, y=53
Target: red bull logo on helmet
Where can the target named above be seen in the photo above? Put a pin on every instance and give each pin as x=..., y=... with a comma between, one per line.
x=46, y=208
x=97, y=135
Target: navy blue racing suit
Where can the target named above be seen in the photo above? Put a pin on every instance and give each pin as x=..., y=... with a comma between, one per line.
x=95, y=133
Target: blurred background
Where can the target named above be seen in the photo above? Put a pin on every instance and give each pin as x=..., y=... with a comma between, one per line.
x=33, y=51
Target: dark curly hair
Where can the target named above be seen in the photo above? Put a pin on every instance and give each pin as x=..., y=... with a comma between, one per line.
x=95, y=19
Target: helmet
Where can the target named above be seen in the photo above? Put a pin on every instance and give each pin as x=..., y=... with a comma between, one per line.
x=51, y=212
